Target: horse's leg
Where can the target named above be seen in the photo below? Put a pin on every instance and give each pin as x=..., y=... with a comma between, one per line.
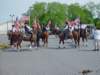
x=43, y=42
x=78, y=40
x=60, y=42
x=75, y=43
x=38, y=40
x=86, y=39
x=75, y=40
x=47, y=41
x=63, y=43
x=18, y=47
x=30, y=44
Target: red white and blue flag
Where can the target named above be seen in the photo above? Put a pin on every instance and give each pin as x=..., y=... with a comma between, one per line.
x=71, y=23
x=17, y=24
x=77, y=20
x=25, y=18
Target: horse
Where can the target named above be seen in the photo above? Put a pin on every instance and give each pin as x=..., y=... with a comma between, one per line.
x=18, y=37
x=84, y=35
x=44, y=34
x=13, y=37
x=67, y=34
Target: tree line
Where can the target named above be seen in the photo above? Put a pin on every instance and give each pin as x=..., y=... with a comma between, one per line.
x=58, y=13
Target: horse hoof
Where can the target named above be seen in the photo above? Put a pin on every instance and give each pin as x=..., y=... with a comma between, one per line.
x=75, y=46
x=86, y=45
x=96, y=50
x=30, y=47
x=64, y=47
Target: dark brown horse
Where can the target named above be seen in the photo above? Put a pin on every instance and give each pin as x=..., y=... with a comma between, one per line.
x=45, y=36
x=17, y=38
x=66, y=34
x=13, y=37
x=84, y=34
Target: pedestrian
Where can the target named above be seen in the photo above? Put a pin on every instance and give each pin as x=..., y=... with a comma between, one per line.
x=97, y=39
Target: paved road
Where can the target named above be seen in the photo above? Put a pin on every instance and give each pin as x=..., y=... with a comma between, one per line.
x=51, y=60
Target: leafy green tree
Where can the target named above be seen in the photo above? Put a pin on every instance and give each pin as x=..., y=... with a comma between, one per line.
x=97, y=23
x=58, y=13
x=75, y=11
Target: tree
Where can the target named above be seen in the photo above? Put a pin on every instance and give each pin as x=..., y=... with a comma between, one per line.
x=58, y=13
x=75, y=11
x=97, y=22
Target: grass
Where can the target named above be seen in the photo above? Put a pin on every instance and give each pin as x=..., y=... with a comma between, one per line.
x=2, y=46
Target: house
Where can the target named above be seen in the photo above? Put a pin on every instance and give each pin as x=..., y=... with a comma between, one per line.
x=5, y=26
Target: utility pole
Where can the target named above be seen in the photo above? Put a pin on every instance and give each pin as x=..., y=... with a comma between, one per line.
x=12, y=18
x=30, y=9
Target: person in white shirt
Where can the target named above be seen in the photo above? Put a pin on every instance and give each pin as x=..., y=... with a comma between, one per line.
x=83, y=26
x=71, y=28
x=48, y=28
x=13, y=28
x=97, y=39
x=27, y=29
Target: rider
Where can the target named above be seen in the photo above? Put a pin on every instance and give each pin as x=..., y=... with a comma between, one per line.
x=48, y=26
x=13, y=28
x=27, y=29
x=36, y=26
x=66, y=26
x=83, y=26
x=66, y=30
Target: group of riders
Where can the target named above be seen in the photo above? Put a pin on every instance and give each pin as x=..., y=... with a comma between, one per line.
x=27, y=30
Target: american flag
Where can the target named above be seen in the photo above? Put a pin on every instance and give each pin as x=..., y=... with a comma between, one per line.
x=17, y=24
x=25, y=18
x=71, y=23
x=77, y=20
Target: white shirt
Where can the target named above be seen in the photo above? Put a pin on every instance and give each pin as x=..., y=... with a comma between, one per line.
x=14, y=29
x=29, y=27
x=76, y=27
x=71, y=29
x=47, y=28
x=83, y=26
x=66, y=27
x=97, y=34
x=57, y=28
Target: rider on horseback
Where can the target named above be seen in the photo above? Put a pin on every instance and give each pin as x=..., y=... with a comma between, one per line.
x=13, y=28
x=27, y=29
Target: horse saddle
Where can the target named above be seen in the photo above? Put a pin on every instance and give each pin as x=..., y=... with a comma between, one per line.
x=27, y=35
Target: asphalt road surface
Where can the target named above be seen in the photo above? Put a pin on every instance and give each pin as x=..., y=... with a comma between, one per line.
x=49, y=61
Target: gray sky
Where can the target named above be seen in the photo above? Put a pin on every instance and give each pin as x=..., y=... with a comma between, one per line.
x=17, y=7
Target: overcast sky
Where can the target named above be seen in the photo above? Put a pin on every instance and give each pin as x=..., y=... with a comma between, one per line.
x=17, y=7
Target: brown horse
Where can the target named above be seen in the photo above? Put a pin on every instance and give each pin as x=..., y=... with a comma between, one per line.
x=13, y=37
x=18, y=37
x=45, y=36
x=84, y=34
x=74, y=35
